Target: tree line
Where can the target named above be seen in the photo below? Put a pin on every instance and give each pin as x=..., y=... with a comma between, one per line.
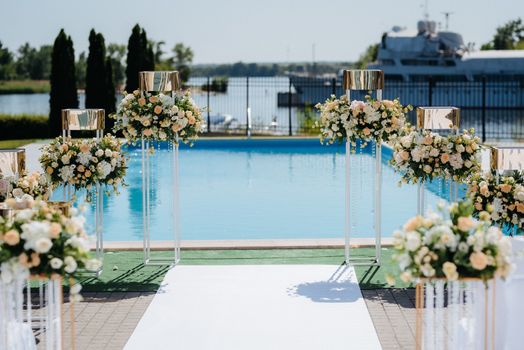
x=98, y=73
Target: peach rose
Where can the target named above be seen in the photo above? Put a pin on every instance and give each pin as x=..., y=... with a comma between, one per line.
x=55, y=230
x=64, y=148
x=404, y=155
x=388, y=103
x=520, y=207
x=478, y=260
x=49, y=170
x=478, y=206
x=141, y=101
x=506, y=188
x=84, y=148
x=444, y=158
x=87, y=173
x=35, y=259
x=153, y=99
x=428, y=140
x=465, y=224
x=175, y=127
x=484, y=191
x=158, y=109
x=148, y=132
x=191, y=120
x=23, y=259
x=81, y=168
x=413, y=223
x=366, y=131
x=12, y=237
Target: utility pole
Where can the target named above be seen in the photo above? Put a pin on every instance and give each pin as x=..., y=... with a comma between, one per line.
x=446, y=15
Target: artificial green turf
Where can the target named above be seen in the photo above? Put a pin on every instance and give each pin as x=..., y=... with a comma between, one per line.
x=125, y=271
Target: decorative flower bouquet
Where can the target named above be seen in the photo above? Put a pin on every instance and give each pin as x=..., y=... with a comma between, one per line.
x=422, y=155
x=452, y=245
x=43, y=241
x=35, y=185
x=158, y=117
x=84, y=163
x=502, y=196
x=368, y=120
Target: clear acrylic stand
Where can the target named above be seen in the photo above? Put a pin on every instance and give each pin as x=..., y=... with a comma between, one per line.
x=368, y=80
x=88, y=120
x=159, y=81
x=437, y=118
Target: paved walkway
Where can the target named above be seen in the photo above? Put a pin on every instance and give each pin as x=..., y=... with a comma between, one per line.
x=107, y=320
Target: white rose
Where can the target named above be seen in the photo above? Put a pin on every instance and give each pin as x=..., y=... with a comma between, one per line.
x=108, y=152
x=99, y=153
x=42, y=245
x=18, y=193
x=412, y=241
x=71, y=264
x=450, y=270
x=460, y=148
x=93, y=264
x=75, y=288
x=65, y=159
x=434, y=152
x=56, y=263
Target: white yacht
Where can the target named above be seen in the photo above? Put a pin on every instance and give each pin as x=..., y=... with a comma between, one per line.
x=415, y=55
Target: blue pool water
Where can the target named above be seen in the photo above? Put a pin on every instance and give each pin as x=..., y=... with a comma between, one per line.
x=259, y=189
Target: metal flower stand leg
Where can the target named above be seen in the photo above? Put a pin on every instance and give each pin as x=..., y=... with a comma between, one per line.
x=364, y=80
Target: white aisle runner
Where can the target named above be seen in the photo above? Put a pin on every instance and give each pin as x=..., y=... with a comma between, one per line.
x=246, y=307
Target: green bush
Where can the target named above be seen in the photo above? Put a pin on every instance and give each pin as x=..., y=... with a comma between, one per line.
x=18, y=127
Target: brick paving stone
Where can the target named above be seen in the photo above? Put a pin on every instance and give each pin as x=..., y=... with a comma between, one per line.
x=106, y=320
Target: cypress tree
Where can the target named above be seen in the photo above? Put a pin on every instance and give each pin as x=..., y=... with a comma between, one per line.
x=63, y=81
x=110, y=103
x=140, y=57
x=96, y=72
x=134, y=59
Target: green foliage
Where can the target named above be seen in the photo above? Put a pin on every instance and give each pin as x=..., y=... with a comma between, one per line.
x=510, y=36
x=6, y=63
x=100, y=87
x=183, y=57
x=110, y=105
x=140, y=57
x=81, y=67
x=19, y=127
x=63, y=81
x=32, y=63
x=307, y=119
x=370, y=55
x=116, y=53
x=23, y=86
x=218, y=84
x=96, y=72
x=240, y=69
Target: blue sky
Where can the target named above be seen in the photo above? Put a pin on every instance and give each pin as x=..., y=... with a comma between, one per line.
x=247, y=30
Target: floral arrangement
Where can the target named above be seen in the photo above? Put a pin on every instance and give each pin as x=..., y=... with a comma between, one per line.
x=501, y=196
x=45, y=242
x=35, y=185
x=158, y=117
x=84, y=163
x=368, y=120
x=422, y=155
x=451, y=245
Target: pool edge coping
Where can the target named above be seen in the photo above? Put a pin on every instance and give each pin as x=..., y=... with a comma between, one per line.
x=245, y=244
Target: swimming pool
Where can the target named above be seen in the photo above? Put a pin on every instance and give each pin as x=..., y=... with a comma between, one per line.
x=259, y=189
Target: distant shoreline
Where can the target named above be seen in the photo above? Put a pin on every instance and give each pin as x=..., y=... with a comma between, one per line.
x=8, y=87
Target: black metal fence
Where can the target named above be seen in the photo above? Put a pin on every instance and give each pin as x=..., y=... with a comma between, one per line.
x=494, y=106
